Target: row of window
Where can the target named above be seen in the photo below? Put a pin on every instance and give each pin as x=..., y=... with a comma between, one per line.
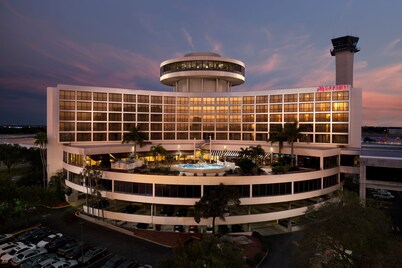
x=133, y=98
x=194, y=191
x=132, y=117
x=202, y=65
x=233, y=109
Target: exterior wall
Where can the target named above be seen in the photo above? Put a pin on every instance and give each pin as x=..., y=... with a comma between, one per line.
x=344, y=67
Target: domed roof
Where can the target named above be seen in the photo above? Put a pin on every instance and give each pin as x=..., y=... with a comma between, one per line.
x=205, y=54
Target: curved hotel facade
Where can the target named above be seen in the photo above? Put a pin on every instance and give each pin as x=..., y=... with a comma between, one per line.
x=86, y=125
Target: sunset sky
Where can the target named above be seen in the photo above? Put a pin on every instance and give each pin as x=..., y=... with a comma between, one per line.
x=284, y=44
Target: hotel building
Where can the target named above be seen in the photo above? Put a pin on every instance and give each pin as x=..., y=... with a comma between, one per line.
x=87, y=124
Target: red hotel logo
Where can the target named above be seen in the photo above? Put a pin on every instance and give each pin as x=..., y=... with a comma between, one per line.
x=330, y=88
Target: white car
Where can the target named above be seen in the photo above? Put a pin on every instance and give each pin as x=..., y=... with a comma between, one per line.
x=383, y=194
x=7, y=247
x=26, y=255
x=65, y=264
x=5, y=237
x=14, y=252
x=47, y=239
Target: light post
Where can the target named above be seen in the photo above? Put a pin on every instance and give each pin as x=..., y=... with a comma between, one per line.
x=82, y=241
x=210, y=149
x=272, y=155
x=224, y=153
x=178, y=149
x=194, y=150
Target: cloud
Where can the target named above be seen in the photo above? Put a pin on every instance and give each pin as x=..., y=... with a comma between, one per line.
x=392, y=49
x=188, y=37
x=215, y=45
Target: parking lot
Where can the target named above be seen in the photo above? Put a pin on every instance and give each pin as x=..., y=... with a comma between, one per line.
x=128, y=248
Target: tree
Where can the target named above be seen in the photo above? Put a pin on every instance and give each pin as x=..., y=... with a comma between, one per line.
x=346, y=234
x=90, y=177
x=156, y=151
x=169, y=158
x=278, y=135
x=244, y=152
x=257, y=153
x=292, y=133
x=41, y=141
x=136, y=136
x=215, y=202
x=210, y=251
x=10, y=155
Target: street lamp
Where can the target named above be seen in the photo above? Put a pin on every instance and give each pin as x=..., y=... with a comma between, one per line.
x=178, y=149
x=224, y=153
x=210, y=149
x=272, y=155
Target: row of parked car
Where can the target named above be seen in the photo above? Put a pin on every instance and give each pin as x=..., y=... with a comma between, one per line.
x=44, y=248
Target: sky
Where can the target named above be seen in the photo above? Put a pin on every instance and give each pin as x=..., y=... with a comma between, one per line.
x=284, y=44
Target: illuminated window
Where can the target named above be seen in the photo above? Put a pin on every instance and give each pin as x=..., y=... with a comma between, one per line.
x=275, y=118
x=221, y=127
x=169, y=117
x=248, y=100
x=182, y=100
x=235, y=109
x=323, y=96
x=182, y=109
x=222, y=101
x=248, y=118
x=248, y=108
x=170, y=109
x=306, y=107
x=290, y=107
x=235, y=100
x=340, y=117
x=262, y=109
x=84, y=106
x=169, y=100
x=306, y=117
x=290, y=98
x=275, y=98
x=322, y=117
x=261, y=118
x=303, y=97
x=322, y=107
x=182, y=127
x=262, y=99
x=322, y=128
x=275, y=108
x=340, y=95
x=290, y=117
x=98, y=96
x=340, y=106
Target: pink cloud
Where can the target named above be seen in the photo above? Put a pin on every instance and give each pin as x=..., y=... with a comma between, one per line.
x=188, y=37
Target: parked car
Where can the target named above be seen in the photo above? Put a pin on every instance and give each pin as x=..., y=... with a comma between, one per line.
x=142, y=225
x=128, y=264
x=62, y=251
x=7, y=247
x=57, y=243
x=26, y=255
x=5, y=237
x=46, y=263
x=64, y=264
x=48, y=239
x=193, y=229
x=383, y=194
x=36, y=237
x=114, y=262
x=92, y=255
x=209, y=229
x=179, y=228
x=37, y=259
x=76, y=252
x=14, y=252
x=27, y=234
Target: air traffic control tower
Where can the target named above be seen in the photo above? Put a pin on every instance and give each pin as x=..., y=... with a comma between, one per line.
x=344, y=50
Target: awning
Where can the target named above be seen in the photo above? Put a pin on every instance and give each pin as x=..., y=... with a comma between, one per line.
x=221, y=153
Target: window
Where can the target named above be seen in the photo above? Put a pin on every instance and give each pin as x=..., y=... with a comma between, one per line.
x=262, y=99
x=182, y=127
x=342, y=128
x=275, y=118
x=307, y=186
x=340, y=117
x=322, y=138
x=129, y=117
x=114, y=117
x=114, y=126
x=195, y=101
x=235, y=100
x=100, y=106
x=114, y=136
x=133, y=188
x=330, y=181
x=143, y=117
x=248, y=100
x=323, y=96
x=169, y=117
x=340, y=95
x=156, y=99
x=290, y=98
x=261, y=127
x=170, y=109
x=99, y=126
x=156, y=108
x=116, y=107
x=67, y=126
x=143, y=108
x=182, y=100
x=248, y=108
x=100, y=116
x=322, y=128
x=303, y=97
x=67, y=105
x=100, y=96
x=290, y=117
x=340, y=106
x=129, y=107
x=306, y=107
x=322, y=117
x=306, y=117
x=156, y=117
x=340, y=139
x=290, y=107
x=262, y=108
x=67, y=137
x=275, y=108
x=178, y=191
x=99, y=136
x=129, y=98
x=322, y=107
x=275, y=98
x=143, y=99
x=67, y=116
x=331, y=162
x=85, y=106
x=115, y=97
x=170, y=100
x=83, y=136
x=248, y=118
x=84, y=95
x=67, y=95
x=235, y=109
x=156, y=136
x=262, y=118
x=222, y=101
x=83, y=126
x=83, y=116
x=272, y=189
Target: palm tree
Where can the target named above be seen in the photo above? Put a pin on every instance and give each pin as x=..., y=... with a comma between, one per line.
x=244, y=152
x=278, y=135
x=257, y=152
x=156, y=151
x=169, y=158
x=91, y=178
x=136, y=136
x=215, y=202
x=293, y=133
x=41, y=141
